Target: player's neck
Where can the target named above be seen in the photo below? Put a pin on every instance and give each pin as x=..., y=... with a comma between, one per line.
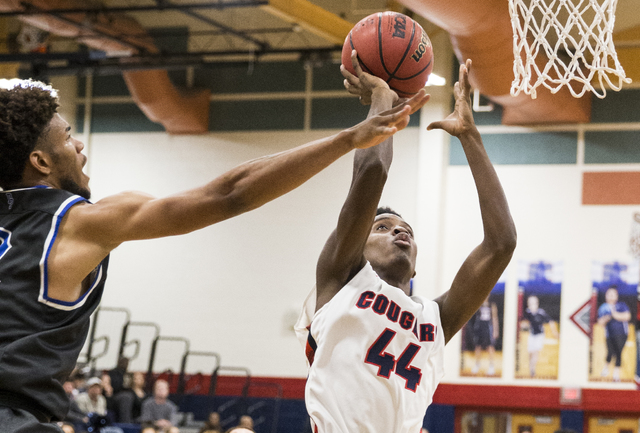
x=401, y=281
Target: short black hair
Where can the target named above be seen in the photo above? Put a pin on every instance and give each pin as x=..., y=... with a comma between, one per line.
x=25, y=111
x=387, y=209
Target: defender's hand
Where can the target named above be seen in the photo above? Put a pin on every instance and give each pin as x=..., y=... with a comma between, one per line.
x=378, y=128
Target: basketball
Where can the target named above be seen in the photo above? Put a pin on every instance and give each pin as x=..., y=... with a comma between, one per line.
x=391, y=46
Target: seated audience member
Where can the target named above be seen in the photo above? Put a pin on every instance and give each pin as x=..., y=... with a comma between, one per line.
x=92, y=401
x=246, y=422
x=118, y=375
x=74, y=416
x=212, y=425
x=107, y=392
x=239, y=430
x=127, y=404
x=159, y=409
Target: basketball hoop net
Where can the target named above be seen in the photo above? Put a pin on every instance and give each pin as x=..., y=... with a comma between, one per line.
x=577, y=38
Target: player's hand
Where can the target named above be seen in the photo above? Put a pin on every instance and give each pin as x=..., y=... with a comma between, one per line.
x=461, y=120
x=378, y=128
x=363, y=84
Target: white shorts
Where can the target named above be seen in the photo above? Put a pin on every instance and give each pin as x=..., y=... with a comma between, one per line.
x=535, y=342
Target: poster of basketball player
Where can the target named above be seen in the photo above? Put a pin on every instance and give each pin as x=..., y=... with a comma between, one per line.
x=482, y=337
x=613, y=312
x=537, y=347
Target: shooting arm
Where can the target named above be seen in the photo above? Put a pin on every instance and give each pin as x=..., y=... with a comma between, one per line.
x=482, y=268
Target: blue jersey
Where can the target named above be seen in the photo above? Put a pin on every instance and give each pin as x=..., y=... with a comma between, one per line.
x=614, y=327
x=40, y=337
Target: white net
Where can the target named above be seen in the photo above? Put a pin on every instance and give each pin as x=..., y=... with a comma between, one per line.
x=576, y=36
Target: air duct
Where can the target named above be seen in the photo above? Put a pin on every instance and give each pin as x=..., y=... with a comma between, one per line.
x=178, y=111
x=481, y=31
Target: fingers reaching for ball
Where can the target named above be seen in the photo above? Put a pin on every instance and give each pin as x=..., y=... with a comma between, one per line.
x=362, y=83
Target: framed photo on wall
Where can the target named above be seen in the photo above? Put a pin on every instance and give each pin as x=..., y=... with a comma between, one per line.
x=613, y=352
x=481, y=350
x=538, y=333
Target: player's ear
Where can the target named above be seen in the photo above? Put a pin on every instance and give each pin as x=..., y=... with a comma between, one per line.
x=40, y=161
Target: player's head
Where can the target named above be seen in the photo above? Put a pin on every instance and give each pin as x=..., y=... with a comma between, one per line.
x=391, y=248
x=611, y=295
x=35, y=142
x=533, y=303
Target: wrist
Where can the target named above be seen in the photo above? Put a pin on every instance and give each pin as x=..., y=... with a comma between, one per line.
x=384, y=92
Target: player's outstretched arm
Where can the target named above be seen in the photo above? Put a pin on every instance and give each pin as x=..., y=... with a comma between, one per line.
x=89, y=232
x=342, y=256
x=482, y=268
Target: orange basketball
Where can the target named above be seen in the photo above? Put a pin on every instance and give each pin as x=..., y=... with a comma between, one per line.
x=394, y=47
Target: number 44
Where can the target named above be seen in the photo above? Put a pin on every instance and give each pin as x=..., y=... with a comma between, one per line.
x=387, y=363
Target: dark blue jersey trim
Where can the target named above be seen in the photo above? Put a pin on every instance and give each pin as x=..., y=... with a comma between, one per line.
x=45, y=291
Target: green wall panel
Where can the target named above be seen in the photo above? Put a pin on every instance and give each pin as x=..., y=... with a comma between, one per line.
x=256, y=115
x=121, y=118
x=340, y=113
x=611, y=147
x=256, y=78
x=534, y=148
x=623, y=106
x=328, y=77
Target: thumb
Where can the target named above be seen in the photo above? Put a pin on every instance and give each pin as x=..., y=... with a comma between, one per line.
x=435, y=125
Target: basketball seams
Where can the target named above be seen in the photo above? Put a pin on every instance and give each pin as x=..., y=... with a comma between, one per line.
x=406, y=51
x=380, y=53
x=416, y=74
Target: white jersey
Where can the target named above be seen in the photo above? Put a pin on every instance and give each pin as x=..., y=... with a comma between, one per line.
x=376, y=358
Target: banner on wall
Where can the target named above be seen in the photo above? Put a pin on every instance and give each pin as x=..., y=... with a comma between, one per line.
x=538, y=333
x=481, y=349
x=613, y=353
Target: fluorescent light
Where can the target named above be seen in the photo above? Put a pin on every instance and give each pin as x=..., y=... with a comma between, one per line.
x=436, y=80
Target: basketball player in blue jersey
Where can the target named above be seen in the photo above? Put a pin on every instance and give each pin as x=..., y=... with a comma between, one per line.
x=376, y=353
x=55, y=245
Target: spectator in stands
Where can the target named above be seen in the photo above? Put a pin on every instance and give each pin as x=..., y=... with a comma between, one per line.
x=118, y=375
x=246, y=422
x=92, y=401
x=240, y=430
x=159, y=409
x=74, y=416
x=212, y=425
x=128, y=402
x=107, y=392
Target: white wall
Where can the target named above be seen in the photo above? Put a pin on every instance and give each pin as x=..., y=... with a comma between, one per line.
x=236, y=287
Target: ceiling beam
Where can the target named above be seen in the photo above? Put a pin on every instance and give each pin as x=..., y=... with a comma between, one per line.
x=312, y=18
x=163, y=6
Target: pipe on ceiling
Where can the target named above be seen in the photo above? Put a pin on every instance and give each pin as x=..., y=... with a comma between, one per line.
x=481, y=31
x=180, y=112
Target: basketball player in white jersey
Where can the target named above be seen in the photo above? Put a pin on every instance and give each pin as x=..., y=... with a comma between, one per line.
x=376, y=352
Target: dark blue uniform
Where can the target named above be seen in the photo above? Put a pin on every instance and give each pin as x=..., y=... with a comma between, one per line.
x=40, y=337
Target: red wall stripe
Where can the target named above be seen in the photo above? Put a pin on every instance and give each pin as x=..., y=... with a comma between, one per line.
x=610, y=188
x=473, y=396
